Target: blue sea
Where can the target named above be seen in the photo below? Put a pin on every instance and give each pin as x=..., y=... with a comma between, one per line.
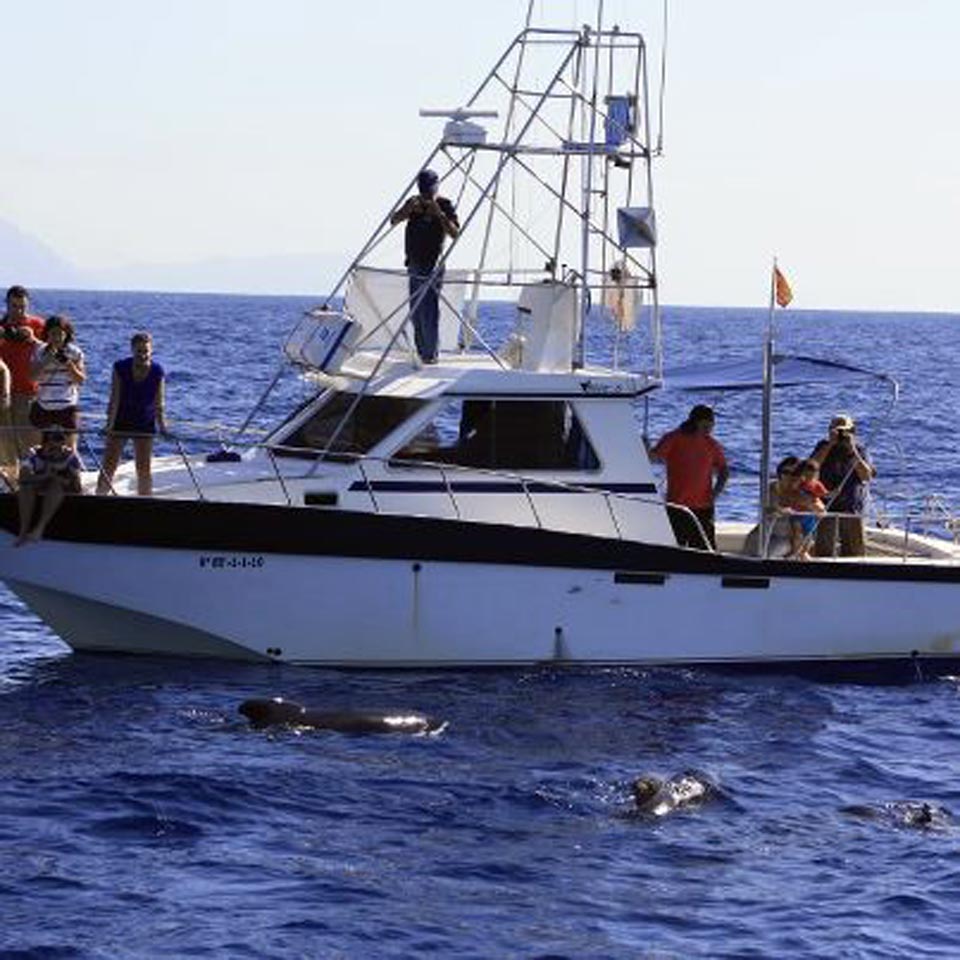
x=141, y=817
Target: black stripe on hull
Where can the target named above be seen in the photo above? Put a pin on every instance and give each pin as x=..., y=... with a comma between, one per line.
x=302, y=531
x=495, y=486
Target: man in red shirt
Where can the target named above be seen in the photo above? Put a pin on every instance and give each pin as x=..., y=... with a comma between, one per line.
x=19, y=334
x=693, y=459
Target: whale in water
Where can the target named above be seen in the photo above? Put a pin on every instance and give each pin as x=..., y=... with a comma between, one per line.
x=275, y=712
x=655, y=797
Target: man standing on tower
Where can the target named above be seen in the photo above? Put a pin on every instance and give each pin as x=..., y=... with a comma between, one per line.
x=430, y=218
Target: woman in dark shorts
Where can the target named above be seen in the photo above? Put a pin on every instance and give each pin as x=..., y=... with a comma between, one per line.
x=58, y=367
x=135, y=413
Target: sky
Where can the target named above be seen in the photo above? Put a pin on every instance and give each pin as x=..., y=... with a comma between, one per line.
x=172, y=132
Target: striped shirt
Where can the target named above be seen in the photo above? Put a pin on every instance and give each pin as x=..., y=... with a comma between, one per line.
x=56, y=389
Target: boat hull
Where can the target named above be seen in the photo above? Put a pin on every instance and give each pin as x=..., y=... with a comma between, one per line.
x=369, y=590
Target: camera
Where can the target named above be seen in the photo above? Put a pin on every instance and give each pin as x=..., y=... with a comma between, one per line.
x=15, y=333
x=61, y=355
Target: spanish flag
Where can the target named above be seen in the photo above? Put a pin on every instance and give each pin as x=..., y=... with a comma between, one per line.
x=781, y=289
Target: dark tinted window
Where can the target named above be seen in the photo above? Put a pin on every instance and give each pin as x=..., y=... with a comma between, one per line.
x=372, y=419
x=504, y=435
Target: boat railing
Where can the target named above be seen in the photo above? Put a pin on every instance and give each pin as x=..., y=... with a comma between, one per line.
x=936, y=512
x=808, y=539
x=933, y=512
x=188, y=450
x=528, y=487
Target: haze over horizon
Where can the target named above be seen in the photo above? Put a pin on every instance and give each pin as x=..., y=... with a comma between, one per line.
x=29, y=261
x=190, y=147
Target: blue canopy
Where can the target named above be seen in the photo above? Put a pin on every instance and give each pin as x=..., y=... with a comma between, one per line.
x=788, y=371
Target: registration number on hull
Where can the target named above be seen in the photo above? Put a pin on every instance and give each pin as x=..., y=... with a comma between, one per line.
x=230, y=562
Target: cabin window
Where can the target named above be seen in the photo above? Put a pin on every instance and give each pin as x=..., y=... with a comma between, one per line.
x=504, y=435
x=371, y=420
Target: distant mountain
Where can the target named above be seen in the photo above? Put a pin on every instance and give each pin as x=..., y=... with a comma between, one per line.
x=25, y=259
x=307, y=273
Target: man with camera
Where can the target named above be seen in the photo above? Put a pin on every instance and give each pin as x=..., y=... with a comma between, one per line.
x=846, y=470
x=19, y=334
x=430, y=220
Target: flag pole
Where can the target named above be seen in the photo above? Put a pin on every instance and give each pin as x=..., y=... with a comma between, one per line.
x=767, y=416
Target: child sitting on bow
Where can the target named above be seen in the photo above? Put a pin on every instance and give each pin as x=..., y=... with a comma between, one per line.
x=807, y=500
x=51, y=471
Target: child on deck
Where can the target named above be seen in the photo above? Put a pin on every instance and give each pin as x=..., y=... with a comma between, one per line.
x=50, y=471
x=808, y=501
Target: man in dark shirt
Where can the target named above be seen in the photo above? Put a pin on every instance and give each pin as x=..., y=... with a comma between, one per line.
x=429, y=220
x=845, y=468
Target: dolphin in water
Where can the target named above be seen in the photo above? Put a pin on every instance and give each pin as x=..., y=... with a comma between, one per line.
x=655, y=797
x=903, y=813
x=275, y=711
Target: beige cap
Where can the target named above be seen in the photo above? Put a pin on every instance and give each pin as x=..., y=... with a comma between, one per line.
x=842, y=421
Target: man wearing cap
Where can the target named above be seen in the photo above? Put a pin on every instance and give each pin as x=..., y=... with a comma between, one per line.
x=430, y=218
x=846, y=470
x=696, y=475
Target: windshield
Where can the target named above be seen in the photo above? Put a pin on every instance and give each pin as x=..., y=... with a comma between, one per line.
x=370, y=420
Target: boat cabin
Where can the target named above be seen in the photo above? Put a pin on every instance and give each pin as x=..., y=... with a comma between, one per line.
x=468, y=440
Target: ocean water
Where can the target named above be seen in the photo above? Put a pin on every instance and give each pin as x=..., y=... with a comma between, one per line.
x=141, y=817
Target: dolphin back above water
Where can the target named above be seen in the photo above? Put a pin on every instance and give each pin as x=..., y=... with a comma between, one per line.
x=656, y=798
x=275, y=712
x=903, y=813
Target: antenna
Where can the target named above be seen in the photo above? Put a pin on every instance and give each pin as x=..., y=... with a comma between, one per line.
x=459, y=130
x=663, y=83
x=458, y=113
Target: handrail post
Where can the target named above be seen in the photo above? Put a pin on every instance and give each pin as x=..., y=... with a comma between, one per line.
x=767, y=532
x=613, y=516
x=366, y=480
x=453, y=499
x=683, y=508
x=89, y=448
x=280, y=480
x=186, y=463
x=533, y=508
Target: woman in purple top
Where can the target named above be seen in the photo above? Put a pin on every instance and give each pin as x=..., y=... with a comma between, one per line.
x=135, y=413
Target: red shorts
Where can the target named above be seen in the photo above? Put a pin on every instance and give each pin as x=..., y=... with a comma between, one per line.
x=65, y=417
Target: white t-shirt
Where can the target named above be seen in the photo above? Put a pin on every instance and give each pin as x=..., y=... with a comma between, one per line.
x=56, y=389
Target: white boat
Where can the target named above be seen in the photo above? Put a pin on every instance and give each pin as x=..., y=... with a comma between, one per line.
x=496, y=508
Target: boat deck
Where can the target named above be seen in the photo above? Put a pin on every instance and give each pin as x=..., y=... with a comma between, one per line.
x=891, y=544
